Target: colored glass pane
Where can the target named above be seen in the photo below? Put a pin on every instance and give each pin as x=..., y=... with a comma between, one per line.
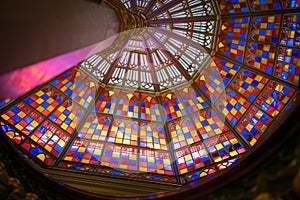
x=119, y=157
x=22, y=118
x=77, y=86
x=82, y=151
x=183, y=133
x=124, y=132
x=107, y=102
x=128, y=105
x=260, y=5
x=209, y=124
x=38, y=152
x=50, y=138
x=152, y=136
x=234, y=107
x=45, y=100
x=288, y=64
x=155, y=162
x=223, y=147
x=226, y=164
x=150, y=108
x=261, y=56
x=266, y=28
x=291, y=3
x=290, y=31
x=254, y=125
x=235, y=28
x=233, y=48
x=274, y=98
x=191, y=99
x=173, y=106
x=225, y=69
x=249, y=84
x=11, y=133
x=194, y=157
x=233, y=7
x=67, y=116
x=95, y=128
x=199, y=174
x=211, y=85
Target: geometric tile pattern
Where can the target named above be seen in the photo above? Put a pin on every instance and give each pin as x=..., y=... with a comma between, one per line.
x=67, y=116
x=290, y=30
x=249, y=84
x=155, y=162
x=183, y=133
x=223, y=147
x=119, y=157
x=22, y=118
x=288, y=64
x=95, y=128
x=254, y=125
x=260, y=5
x=45, y=100
x=87, y=152
x=50, y=138
x=152, y=136
x=153, y=109
x=266, y=28
x=261, y=56
x=233, y=7
x=274, y=98
x=234, y=107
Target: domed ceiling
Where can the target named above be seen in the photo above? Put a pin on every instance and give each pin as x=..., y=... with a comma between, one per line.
x=188, y=88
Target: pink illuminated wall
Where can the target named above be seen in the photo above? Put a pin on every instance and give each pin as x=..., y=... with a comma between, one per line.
x=20, y=81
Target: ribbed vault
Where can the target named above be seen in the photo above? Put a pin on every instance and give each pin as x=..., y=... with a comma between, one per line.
x=187, y=89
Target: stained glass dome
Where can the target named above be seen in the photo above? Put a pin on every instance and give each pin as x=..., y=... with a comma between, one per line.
x=187, y=89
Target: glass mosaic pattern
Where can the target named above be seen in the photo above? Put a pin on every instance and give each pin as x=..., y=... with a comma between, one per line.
x=233, y=48
x=260, y=5
x=254, y=125
x=234, y=107
x=290, y=31
x=235, y=28
x=178, y=102
x=266, y=28
x=249, y=84
x=45, y=100
x=233, y=7
x=261, y=56
x=183, y=133
x=288, y=65
x=50, y=138
x=152, y=136
x=77, y=86
x=95, y=128
x=155, y=162
x=225, y=69
x=67, y=116
x=82, y=151
x=119, y=157
x=150, y=108
x=22, y=118
x=224, y=146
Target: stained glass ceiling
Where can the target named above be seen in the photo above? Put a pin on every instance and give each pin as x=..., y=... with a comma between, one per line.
x=189, y=88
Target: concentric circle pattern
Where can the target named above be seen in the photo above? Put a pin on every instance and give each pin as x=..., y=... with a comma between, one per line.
x=188, y=88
